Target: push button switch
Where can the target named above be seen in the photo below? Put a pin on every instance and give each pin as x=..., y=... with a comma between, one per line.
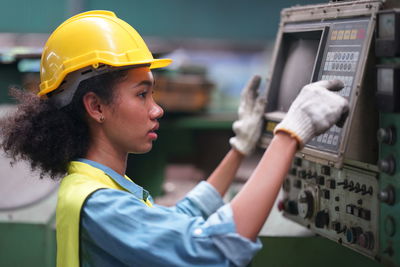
x=331, y=184
x=326, y=170
x=320, y=180
x=326, y=194
x=365, y=214
x=350, y=209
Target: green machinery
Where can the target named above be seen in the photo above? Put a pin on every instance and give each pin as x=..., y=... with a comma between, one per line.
x=343, y=184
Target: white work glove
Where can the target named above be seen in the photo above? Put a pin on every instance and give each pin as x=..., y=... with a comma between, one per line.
x=248, y=126
x=314, y=111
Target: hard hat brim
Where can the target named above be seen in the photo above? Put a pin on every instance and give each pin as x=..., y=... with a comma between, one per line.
x=154, y=64
x=160, y=63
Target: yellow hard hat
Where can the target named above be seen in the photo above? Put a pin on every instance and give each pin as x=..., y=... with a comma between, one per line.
x=92, y=38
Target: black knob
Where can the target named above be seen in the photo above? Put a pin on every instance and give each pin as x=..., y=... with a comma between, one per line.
x=337, y=208
x=387, y=135
x=289, y=206
x=387, y=195
x=387, y=165
x=321, y=219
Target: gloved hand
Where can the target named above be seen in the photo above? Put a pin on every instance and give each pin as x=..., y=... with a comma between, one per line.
x=251, y=109
x=314, y=111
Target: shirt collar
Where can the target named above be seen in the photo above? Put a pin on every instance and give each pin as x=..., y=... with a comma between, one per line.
x=128, y=185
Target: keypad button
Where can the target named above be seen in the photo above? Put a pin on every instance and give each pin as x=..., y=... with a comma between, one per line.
x=330, y=138
x=335, y=140
x=324, y=138
x=356, y=54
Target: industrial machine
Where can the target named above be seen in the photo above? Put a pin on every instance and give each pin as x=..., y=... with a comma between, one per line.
x=343, y=184
x=27, y=213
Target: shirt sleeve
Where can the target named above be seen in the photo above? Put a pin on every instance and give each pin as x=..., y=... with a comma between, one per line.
x=119, y=229
x=203, y=200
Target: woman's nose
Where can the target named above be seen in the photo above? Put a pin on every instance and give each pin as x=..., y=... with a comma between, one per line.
x=156, y=112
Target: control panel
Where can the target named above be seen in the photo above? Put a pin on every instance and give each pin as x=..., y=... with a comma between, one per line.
x=340, y=204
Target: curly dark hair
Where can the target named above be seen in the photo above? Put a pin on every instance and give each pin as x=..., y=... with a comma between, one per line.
x=48, y=137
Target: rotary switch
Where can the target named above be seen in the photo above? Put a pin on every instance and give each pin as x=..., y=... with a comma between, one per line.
x=305, y=204
x=387, y=135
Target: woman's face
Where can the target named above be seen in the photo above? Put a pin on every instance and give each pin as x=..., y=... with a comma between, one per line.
x=131, y=120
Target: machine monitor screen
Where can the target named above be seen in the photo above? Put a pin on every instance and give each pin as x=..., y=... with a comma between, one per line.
x=298, y=54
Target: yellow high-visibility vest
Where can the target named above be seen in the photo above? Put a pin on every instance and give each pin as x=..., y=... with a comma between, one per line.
x=82, y=180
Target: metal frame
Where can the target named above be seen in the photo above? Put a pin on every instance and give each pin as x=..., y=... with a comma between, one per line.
x=302, y=18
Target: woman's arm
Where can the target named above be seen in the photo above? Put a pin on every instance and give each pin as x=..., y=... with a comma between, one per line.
x=251, y=206
x=313, y=112
x=222, y=176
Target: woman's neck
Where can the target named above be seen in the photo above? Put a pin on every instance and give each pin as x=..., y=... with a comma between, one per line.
x=107, y=155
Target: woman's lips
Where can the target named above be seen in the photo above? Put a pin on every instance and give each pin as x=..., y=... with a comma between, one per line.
x=152, y=133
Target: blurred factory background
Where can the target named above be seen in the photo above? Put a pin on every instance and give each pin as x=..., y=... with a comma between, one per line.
x=216, y=47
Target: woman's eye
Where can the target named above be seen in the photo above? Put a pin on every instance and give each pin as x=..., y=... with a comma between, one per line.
x=143, y=94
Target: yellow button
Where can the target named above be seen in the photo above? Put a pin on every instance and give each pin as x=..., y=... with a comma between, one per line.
x=346, y=35
x=334, y=35
x=340, y=35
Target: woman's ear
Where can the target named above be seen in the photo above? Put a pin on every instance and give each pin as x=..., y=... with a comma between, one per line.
x=93, y=106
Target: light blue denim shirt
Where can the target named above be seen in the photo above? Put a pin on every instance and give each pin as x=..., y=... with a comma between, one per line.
x=118, y=229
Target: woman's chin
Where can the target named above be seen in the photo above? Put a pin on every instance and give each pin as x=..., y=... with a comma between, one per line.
x=142, y=150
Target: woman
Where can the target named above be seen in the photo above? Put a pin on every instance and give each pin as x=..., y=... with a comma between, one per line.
x=96, y=106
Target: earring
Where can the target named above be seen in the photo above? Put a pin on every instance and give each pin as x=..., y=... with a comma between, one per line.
x=101, y=118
